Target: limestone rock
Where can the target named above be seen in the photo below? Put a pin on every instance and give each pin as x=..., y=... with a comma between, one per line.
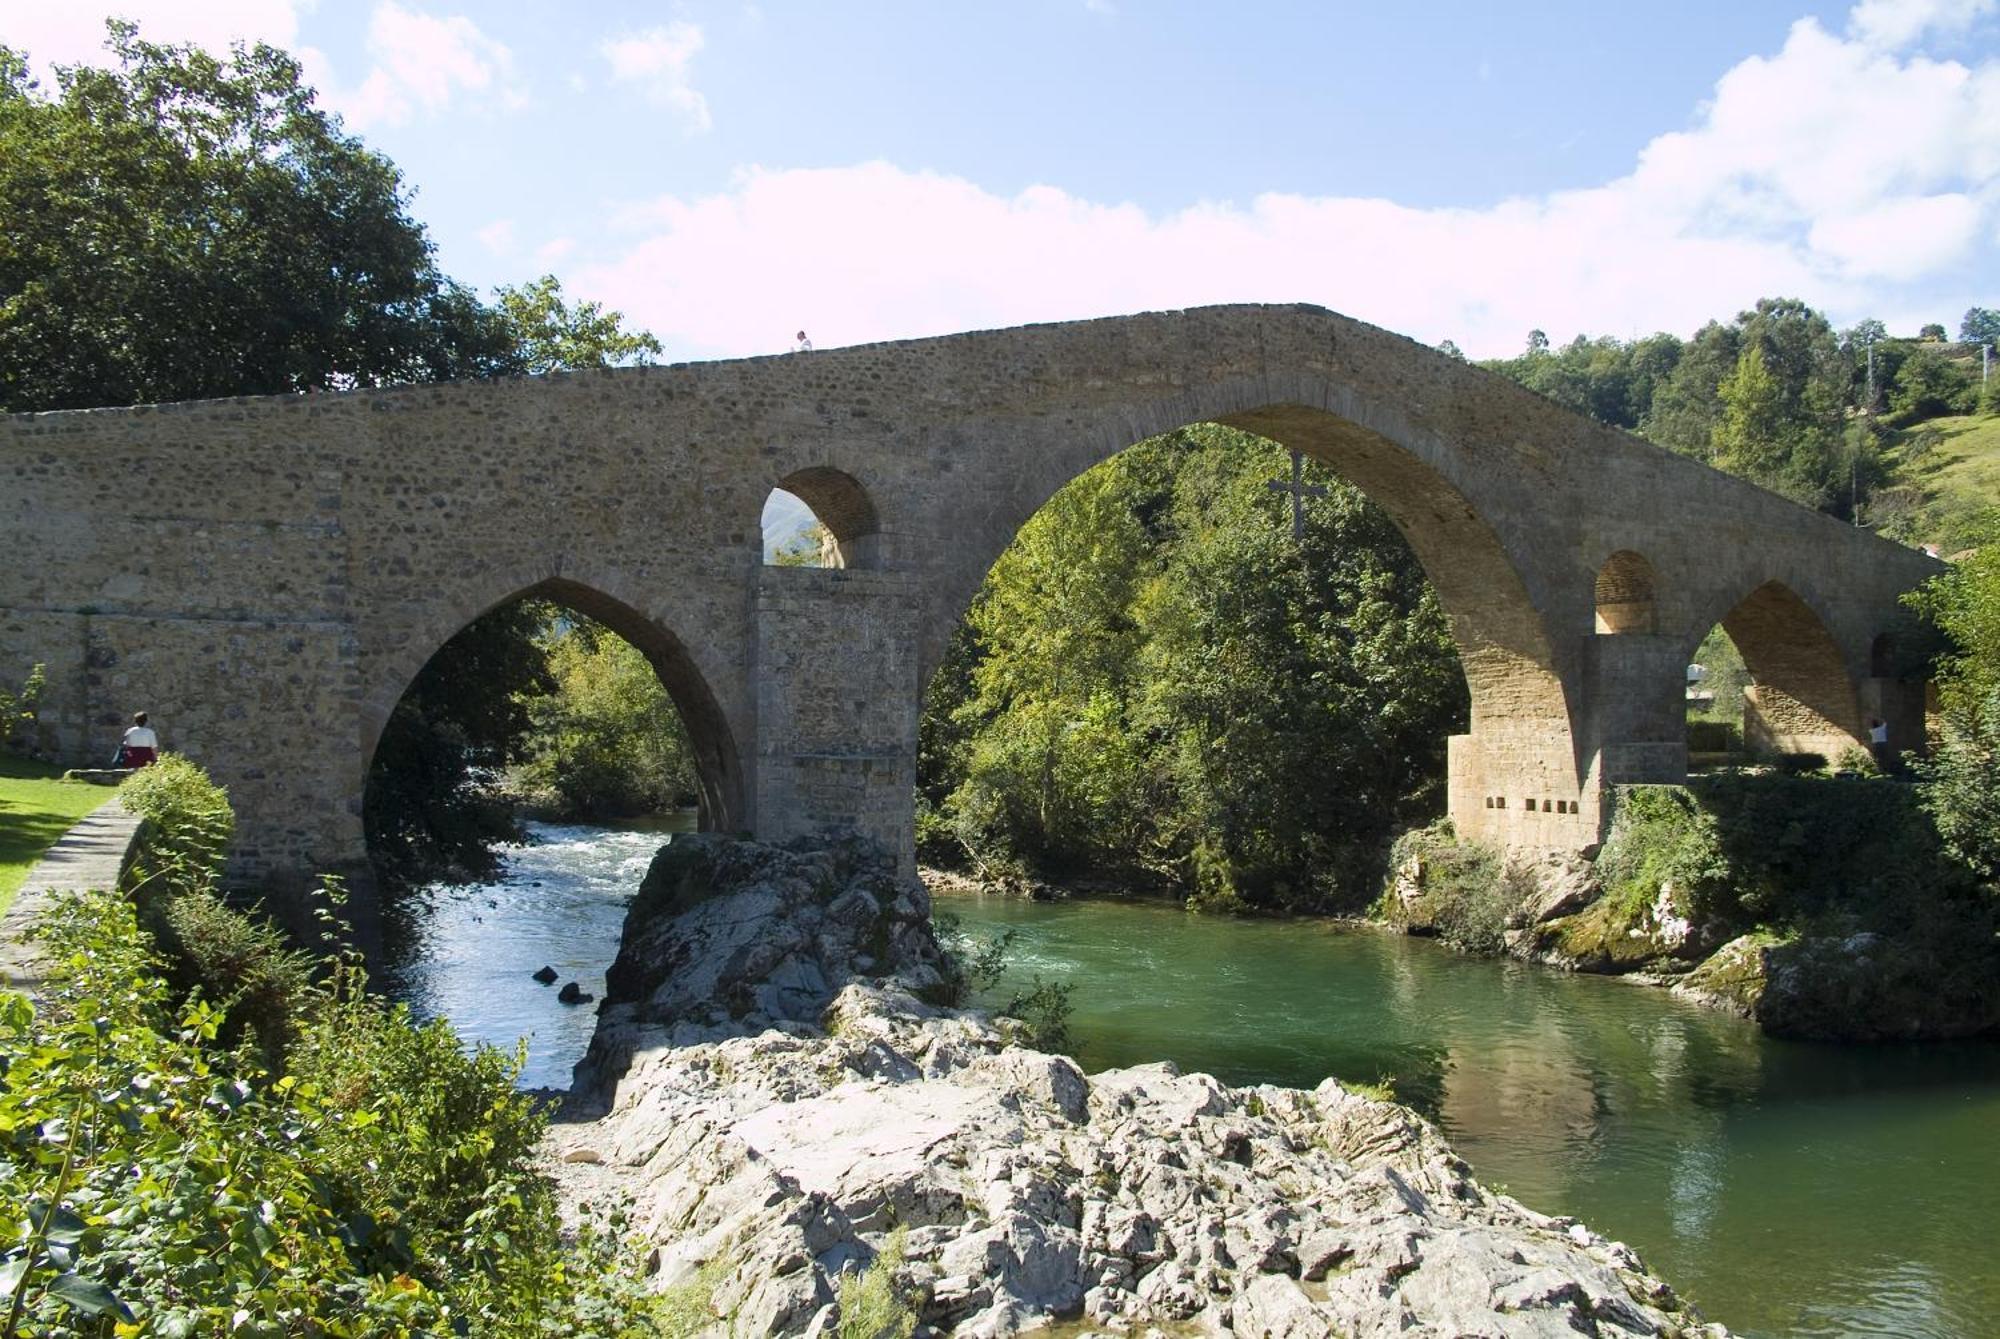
x=1026, y=1192
x=1562, y=884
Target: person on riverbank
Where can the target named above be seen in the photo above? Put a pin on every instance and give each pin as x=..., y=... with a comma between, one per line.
x=1878, y=744
x=141, y=746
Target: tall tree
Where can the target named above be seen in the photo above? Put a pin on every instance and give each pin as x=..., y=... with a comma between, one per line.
x=1980, y=326
x=181, y=227
x=548, y=334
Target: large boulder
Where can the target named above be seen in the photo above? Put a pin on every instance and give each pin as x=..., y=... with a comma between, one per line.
x=769, y=1148
x=728, y=937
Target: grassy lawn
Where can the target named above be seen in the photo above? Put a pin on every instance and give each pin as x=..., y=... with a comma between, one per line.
x=35, y=809
x=1957, y=476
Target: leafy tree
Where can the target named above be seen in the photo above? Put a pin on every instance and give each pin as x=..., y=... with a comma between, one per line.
x=1932, y=332
x=1538, y=342
x=181, y=227
x=1611, y=381
x=1301, y=693
x=1048, y=768
x=607, y=742
x=1158, y=681
x=1962, y=777
x=1749, y=437
x=547, y=334
x=1685, y=406
x=1451, y=350
x=1928, y=384
x=808, y=548
x=1981, y=325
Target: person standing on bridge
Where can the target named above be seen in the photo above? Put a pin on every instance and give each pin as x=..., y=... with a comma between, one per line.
x=140, y=747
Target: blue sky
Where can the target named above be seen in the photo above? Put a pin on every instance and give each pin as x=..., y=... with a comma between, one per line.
x=727, y=173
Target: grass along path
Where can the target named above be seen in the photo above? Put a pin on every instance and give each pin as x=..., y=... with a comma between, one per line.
x=36, y=808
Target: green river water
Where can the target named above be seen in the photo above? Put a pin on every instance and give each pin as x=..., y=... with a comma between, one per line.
x=1788, y=1189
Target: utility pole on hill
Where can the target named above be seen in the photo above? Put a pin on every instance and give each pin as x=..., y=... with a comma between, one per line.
x=1300, y=490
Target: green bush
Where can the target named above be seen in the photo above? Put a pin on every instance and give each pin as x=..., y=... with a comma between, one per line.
x=1661, y=838
x=241, y=963
x=1786, y=853
x=1043, y=1010
x=368, y=1179
x=188, y=822
x=1465, y=892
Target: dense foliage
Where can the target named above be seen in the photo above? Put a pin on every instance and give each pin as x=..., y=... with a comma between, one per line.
x=1158, y=682
x=1962, y=776
x=182, y=227
x=606, y=742
x=376, y=1182
x=1776, y=396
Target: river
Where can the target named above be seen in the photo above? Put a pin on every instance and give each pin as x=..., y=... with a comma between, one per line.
x=1788, y=1189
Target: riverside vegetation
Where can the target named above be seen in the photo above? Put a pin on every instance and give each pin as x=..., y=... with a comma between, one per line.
x=1823, y=907
x=203, y=1129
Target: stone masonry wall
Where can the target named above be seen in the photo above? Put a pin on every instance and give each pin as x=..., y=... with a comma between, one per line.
x=267, y=575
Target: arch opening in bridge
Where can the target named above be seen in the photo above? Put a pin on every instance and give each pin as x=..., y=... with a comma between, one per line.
x=820, y=517
x=1626, y=596
x=559, y=697
x=1505, y=677
x=1774, y=684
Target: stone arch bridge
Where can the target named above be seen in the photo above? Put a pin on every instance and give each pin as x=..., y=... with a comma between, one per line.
x=267, y=575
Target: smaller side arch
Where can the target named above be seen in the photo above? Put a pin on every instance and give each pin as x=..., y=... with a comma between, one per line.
x=1802, y=699
x=1627, y=595
x=718, y=760
x=843, y=506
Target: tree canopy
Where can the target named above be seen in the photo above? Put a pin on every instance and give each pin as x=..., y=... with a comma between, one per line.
x=1159, y=683
x=182, y=227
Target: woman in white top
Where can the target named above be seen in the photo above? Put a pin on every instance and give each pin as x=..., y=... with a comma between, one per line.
x=141, y=747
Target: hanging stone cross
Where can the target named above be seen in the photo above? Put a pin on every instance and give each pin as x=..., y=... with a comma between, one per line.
x=1300, y=491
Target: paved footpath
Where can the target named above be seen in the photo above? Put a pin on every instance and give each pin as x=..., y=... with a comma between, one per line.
x=89, y=855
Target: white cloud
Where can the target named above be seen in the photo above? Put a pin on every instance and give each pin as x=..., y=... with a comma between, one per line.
x=1832, y=170
x=1892, y=24
x=659, y=61
x=553, y=250
x=63, y=32
x=420, y=63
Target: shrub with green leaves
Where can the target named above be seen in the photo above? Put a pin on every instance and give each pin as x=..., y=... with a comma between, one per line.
x=159, y=1175
x=242, y=964
x=1465, y=891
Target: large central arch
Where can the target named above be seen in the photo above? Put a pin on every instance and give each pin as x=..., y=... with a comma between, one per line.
x=1516, y=775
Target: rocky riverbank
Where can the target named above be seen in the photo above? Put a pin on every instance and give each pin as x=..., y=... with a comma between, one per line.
x=781, y=1087
x=1822, y=910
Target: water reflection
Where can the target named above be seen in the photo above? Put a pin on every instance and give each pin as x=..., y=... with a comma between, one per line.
x=1789, y=1189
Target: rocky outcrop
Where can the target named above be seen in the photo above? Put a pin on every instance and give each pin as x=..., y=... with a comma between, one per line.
x=729, y=937
x=769, y=1147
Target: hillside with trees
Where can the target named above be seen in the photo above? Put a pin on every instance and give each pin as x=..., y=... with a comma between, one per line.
x=1843, y=421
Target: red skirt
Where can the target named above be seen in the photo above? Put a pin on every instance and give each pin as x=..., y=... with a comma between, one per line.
x=137, y=756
